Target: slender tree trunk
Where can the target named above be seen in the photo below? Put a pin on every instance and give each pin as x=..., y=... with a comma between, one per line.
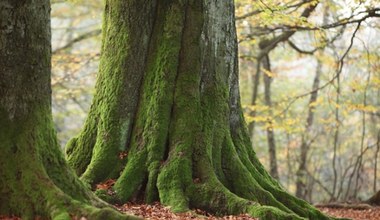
x=336, y=138
x=301, y=173
x=34, y=177
x=376, y=156
x=255, y=91
x=185, y=135
x=270, y=132
x=364, y=126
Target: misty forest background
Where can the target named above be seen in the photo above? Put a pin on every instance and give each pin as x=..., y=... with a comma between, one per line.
x=310, y=86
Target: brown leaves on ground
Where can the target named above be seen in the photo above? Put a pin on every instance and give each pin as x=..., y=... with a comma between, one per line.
x=158, y=211
x=123, y=155
x=106, y=185
x=4, y=217
x=372, y=213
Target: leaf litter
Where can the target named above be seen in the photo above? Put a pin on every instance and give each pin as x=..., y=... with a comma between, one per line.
x=157, y=211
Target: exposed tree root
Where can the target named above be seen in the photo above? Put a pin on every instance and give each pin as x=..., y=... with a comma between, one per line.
x=183, y=183
x=41, y=197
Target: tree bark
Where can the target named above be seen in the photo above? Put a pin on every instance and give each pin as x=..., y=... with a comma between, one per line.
x=35, y=180
x=168, y=96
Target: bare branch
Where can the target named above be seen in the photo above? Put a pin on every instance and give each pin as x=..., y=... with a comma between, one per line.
x=339, y=71
x=255, y=12
x=78, y=39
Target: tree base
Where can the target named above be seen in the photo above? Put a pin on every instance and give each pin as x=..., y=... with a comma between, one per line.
x=186, y=140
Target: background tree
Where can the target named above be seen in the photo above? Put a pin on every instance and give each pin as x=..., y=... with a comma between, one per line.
x=35, y=180
x=167, y=96
x=348, y=30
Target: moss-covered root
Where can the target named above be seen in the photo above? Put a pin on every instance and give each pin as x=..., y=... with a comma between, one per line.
x=31, y=193
x=181, y=192
x=247, y=182
x=89, y=212
x=58, y=206
x=214, y=197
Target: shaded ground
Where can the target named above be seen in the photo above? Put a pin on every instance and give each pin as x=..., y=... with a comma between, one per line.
x=158, y=212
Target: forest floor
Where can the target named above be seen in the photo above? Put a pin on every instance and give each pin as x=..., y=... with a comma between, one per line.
x=372, y=213
x=159, y=212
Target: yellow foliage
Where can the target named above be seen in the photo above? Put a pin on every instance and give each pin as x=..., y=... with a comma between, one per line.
x=362, y=107
x=330, y=120
x=376, y=81
x=356, y=86
x=269, y=73
x=316, y=103
x=253, y=108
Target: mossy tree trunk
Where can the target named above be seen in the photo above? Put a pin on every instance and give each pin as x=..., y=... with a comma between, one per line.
x=35, y=179
x=167, y=96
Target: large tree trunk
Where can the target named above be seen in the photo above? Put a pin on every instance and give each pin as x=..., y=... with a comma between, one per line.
x=167, y=96
x=34, y=177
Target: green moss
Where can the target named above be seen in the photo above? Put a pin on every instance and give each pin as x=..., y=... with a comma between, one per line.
x=108, y=126
x=271, y=213
x=130, y=181
x=104, y=195
x=176, y=173
x=175, y=177
x=298, y=206
x=62, y=216
x=214, y=197
x=79, y=149
x=111, y=125
x=108, y=213
x=151, y=191
x=152, y=120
